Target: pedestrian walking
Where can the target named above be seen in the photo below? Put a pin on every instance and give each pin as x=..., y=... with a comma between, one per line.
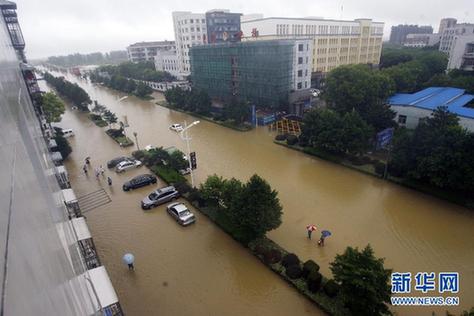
x=84, y=168
x=321, y=241
x=97, y=173
x=130, y=266
x=310, y=229
x=102, y=170
x=88, y=160
x=109, y=180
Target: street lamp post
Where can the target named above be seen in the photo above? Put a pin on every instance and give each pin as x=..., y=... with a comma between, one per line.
x=136, y=140
x=184, y=136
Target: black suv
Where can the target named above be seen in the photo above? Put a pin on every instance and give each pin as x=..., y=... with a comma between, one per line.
x=139, y=181
x=112, y=163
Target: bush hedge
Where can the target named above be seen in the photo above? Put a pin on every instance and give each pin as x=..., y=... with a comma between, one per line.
x=168, y=174
x=331, y=288
x=280, y=137
x=272, y=256
x=379, y=167
x=314, y=281
x=290, y=260
x=182, y=187
x=291, y=140
x=309, y=267
x=294, y=272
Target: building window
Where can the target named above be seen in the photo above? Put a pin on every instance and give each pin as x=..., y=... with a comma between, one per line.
x=300, y=73
x=402, y=119
x=191, y=21
x=300, y=60
x=300, y=47
x=300, y=85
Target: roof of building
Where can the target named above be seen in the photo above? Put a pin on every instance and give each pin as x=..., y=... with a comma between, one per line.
x=148, y=44
x=431, y=98
x=307, y=19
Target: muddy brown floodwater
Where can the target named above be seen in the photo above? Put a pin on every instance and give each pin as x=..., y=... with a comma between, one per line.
x=199, y=270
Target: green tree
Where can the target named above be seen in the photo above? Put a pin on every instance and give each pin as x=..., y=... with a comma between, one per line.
x=212, y=189
x=328, y=130
x=364, y=281
x=143, y=90
x=257, y=211
x=63, y=146
x=110, y=117
x=357, y=87
x=53, y=107
x=237, y=110
x=176, y=160
x=438, y=152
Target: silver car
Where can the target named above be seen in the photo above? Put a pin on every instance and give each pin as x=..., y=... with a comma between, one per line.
x=128, y=164
x=180, y=213
x=159, y=196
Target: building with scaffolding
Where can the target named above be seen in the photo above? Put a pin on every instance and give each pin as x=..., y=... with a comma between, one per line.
x=259, y=72
x=49, y=263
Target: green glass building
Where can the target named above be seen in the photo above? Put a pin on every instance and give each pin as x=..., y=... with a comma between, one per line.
x=256, y=71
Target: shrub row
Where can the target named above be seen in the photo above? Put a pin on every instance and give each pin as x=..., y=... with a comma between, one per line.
x=305, y=277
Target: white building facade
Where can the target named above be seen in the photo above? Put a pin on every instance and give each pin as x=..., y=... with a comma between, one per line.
x=458, y=42
x=146, y=51
x=167, y=61
x=335, y=42
x=189, y=30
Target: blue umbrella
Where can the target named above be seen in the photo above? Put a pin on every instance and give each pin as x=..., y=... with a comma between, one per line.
x=325, y=233
x=128, y=258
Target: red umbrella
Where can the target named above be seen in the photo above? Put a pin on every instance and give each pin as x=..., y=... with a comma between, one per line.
x=311, y=228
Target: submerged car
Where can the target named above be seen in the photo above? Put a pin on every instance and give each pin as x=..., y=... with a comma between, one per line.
x=114, y=162
x=125, y=165
x=176, y=127
x=139, y=181
x=180, y=213
x=160, y=196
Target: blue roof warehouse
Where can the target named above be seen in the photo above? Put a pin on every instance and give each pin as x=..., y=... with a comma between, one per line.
x=410, y=108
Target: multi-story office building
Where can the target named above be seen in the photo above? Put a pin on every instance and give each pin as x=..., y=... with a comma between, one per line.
x=399, y=33
x=451, y=33
x=457, y=41
x=223, y=26
x=335, y=42
x=421, y=40
x=49, y=263
x=168, y=61
x=146, y=51
x=261, y=72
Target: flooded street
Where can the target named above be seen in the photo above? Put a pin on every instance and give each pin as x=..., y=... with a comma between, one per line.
x=199, y=270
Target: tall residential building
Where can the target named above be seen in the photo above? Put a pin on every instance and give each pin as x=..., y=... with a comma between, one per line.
x=223, y=26
x=335, y=42
x=49, y=264
x=189, y=29
x=261, y=72
x=146, y=51
x=399, y=33
x=192, y=29
x=445, y=23
x=451, y=33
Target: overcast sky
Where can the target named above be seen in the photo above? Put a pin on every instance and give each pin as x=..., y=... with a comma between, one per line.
x=58, y=27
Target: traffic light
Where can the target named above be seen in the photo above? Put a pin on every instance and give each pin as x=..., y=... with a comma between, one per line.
x=193, y=160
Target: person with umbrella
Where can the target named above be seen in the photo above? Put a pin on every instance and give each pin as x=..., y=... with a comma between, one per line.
x=324, y=234
x=310, y=229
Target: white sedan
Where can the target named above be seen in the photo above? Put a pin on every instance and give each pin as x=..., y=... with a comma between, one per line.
x=176, y=127
x=180, y=213
x=125, y=165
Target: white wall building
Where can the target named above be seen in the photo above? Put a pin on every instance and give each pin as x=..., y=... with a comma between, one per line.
x=458, y=42
x=146, y=51
x=302, y=63
x=189, y=30
x=167, y=61
x=334, y=42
